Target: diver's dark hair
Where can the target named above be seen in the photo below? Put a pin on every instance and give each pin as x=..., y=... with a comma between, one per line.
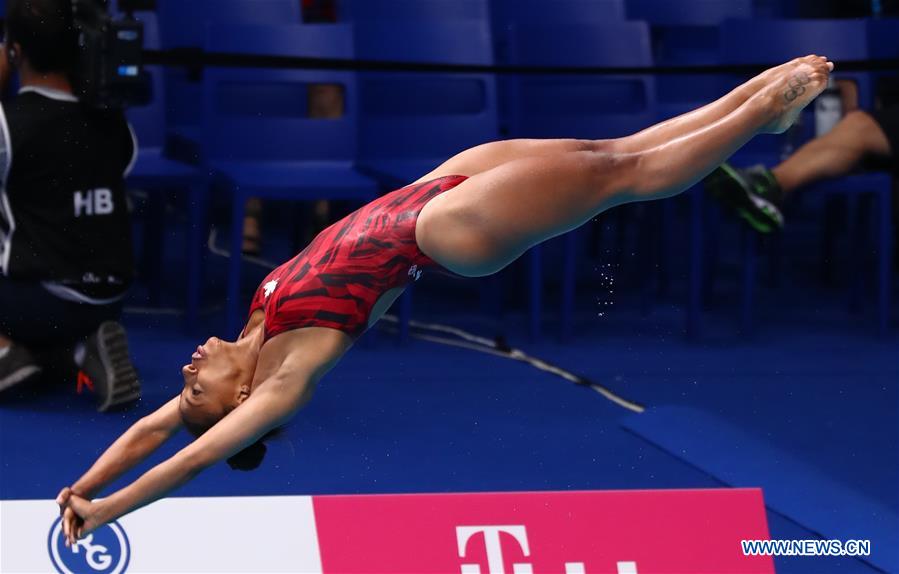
x=251, y=457
x=45, y=30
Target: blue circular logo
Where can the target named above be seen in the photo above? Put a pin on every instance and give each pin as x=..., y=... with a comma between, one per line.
x=104, y=551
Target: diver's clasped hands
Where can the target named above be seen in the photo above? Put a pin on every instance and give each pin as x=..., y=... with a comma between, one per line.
x=80, y=516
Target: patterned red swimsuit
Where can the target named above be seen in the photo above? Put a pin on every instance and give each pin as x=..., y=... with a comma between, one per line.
x=337, y=279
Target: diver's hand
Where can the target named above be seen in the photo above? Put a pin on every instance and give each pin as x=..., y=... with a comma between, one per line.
x=71, y=522
x=62, y=499
x=86, y=517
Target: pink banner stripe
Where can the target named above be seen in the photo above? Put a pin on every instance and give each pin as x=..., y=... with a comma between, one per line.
x=619, y=532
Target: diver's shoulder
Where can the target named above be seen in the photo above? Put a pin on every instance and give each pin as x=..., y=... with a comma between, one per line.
x=308, y=351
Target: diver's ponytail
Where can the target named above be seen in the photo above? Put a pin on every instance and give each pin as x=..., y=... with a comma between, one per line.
x=249, y=458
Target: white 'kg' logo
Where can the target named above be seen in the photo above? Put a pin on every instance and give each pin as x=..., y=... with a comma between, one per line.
x=104, y=551
x=414, y=272
x=270, y=287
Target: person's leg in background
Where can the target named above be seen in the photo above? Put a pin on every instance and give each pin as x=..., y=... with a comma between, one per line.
x=46, y=339
x=252, y=227
x=757, y=193
x=24, y=314
x=17, y=364
x=834, y=154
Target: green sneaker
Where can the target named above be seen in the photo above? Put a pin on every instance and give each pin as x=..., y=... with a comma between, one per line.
x=752, y=193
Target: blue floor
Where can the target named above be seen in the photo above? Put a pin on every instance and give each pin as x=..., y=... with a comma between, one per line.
x=814, y=381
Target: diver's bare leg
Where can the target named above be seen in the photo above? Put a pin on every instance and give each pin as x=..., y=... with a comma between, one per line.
x=489, y=155
x=487, y=221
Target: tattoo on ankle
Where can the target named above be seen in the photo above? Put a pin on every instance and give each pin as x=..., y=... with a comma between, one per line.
x=797, y=86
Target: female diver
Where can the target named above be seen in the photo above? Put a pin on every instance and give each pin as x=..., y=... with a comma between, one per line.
x=473, y=215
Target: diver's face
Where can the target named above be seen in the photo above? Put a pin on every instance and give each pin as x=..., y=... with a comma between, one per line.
x=212, y=382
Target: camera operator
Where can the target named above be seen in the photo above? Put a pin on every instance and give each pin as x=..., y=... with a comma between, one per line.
x=65, y=234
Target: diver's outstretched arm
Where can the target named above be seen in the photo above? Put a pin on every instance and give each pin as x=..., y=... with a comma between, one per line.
x=136, y=444
x=267, y=408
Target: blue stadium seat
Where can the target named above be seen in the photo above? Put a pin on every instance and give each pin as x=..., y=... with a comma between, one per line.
x=182, y=21
x=687, y=12
x=576, y=106
x=424, y=11
x=678, y=44
x=687, y=46
x=513, y=12
x=882, y=34
x=784, y=40
x=506, y=14
x=155, y=172
x=776, y=41
x=182, y=25
x=410, y=123
x=591, y=107
x=687, y=33
x=429, y=116
x=257, y=136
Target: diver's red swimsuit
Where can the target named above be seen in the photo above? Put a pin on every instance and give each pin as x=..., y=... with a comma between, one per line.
x=336, y=281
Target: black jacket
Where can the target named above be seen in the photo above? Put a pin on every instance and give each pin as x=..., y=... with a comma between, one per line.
x=63, y=212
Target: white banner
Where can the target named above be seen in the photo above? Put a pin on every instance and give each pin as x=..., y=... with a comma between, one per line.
x=612, y=532
x=175, y=535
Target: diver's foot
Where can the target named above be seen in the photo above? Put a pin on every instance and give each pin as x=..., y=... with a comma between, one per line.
x=762, y=80
x=792, y=88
